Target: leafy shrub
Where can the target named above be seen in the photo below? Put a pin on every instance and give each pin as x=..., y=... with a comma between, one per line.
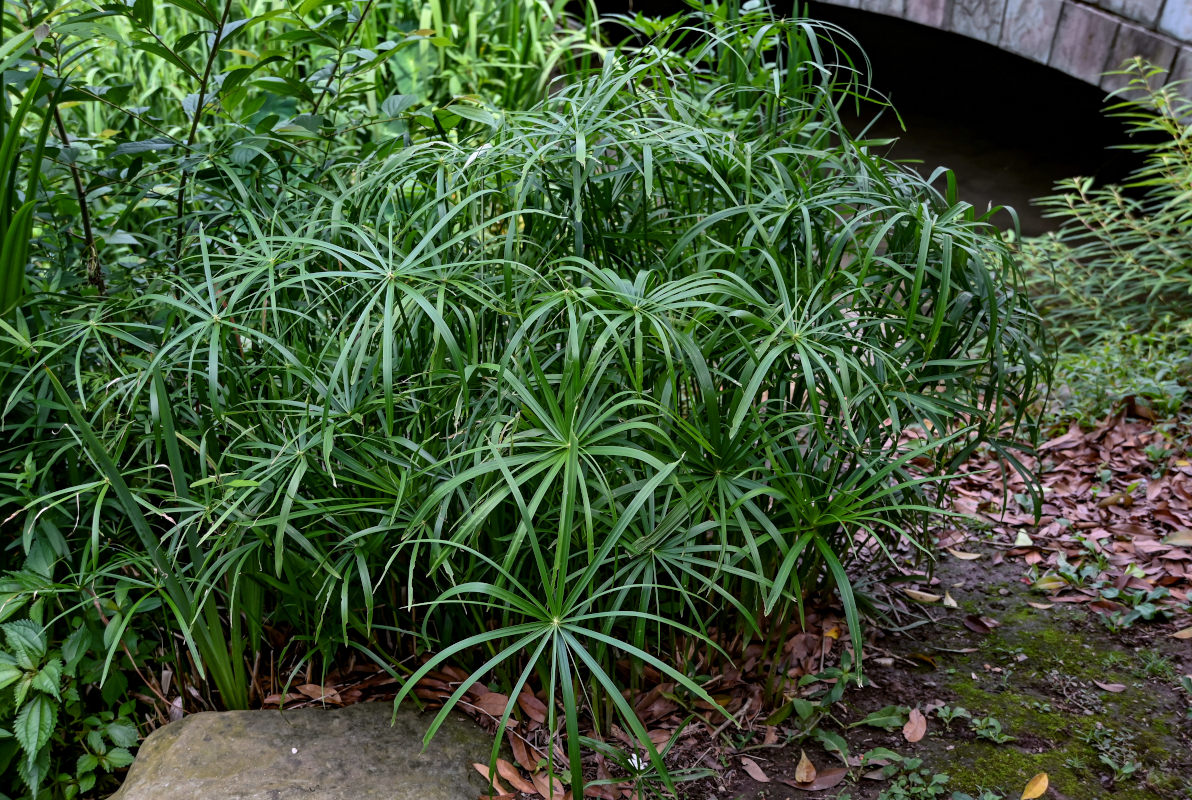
x=641, y=364
x=1123, y=254
x=56, y=727
x=1154, y=369
x=1115, y=281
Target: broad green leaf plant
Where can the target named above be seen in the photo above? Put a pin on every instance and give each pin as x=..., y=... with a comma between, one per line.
x=555, y=387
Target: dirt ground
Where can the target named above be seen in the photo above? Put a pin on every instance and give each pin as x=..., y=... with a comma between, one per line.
x=1102, y=714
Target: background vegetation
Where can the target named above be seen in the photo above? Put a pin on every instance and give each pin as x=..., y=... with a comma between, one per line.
x=1115, y=279
x=453, y=332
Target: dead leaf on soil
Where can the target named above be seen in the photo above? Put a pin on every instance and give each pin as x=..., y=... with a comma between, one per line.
x=755, y=771
x=493, y=703
x=490, y=777
x=535, y=709
x=1186, y=633
x=825, y=780
x=511, y=774
x=1181, y=538
x=805, y=771
x=1035, y=787
x=922, y=597
x=1111, y=687
x=915, y=727
x=949, y=601
x=980, y=625
x=963, y=556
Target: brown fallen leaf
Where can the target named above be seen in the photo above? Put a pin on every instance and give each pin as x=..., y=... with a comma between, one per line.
x=1186, y=633
x=529, y=757
x=978, y=624
x=547, y=787
x=805, y=771
x=320, y=694
x=922, y=597
x=1111, y=687
x=493, y=703
x=1181, y=538
x=490, y=777
x=511, y=774
x=754, y=770
x=915, y=727
x=963, y=556
x=949, y=601
x=825, y=780
x=1035, y=787
x=535, y=709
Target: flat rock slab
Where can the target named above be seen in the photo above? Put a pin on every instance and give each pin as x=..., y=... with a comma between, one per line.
x=310, y=753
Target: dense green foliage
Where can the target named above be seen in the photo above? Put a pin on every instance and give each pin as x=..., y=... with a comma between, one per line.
x=1115, y=280
x=377, y=338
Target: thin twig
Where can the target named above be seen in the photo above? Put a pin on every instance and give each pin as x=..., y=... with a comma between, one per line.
x=194, y=128
x=339, y=58
x=94, y=273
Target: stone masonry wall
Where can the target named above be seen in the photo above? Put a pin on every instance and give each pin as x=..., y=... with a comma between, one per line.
x=1083, y=39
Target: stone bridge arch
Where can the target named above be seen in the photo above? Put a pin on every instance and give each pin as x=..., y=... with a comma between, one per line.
x=1081, y=39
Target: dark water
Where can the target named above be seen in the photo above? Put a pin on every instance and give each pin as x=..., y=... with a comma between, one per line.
x=1008, y=127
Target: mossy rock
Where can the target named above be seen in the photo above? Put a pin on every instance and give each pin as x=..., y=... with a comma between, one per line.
x=313, y=754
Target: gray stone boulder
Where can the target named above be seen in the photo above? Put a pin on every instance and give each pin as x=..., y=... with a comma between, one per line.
x=314, y=754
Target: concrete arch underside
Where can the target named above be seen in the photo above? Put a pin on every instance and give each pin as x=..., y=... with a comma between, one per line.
x=1081, y=39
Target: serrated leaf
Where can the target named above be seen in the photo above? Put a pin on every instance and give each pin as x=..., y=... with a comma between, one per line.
x=118, y=758
x=26, y=642
x=48, y=679
x=35, y=724
x=10, y=673
x=123, y=734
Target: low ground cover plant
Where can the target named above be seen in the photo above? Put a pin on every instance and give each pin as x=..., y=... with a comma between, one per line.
x=557, y=386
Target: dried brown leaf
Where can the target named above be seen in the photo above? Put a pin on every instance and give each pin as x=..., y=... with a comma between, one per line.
x=755, y=771
x=490, y=777
x=824, y=780
x=535, y=709
x=915, y=727
x=805, y=771
x=1111, y=687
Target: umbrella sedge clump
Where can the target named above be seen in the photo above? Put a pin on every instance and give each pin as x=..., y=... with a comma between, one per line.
x=576, y=384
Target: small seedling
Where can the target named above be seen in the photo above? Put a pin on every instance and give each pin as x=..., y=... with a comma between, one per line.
x=948, y=714
x=982, y=794
x=989, y=728
x=913, y=782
